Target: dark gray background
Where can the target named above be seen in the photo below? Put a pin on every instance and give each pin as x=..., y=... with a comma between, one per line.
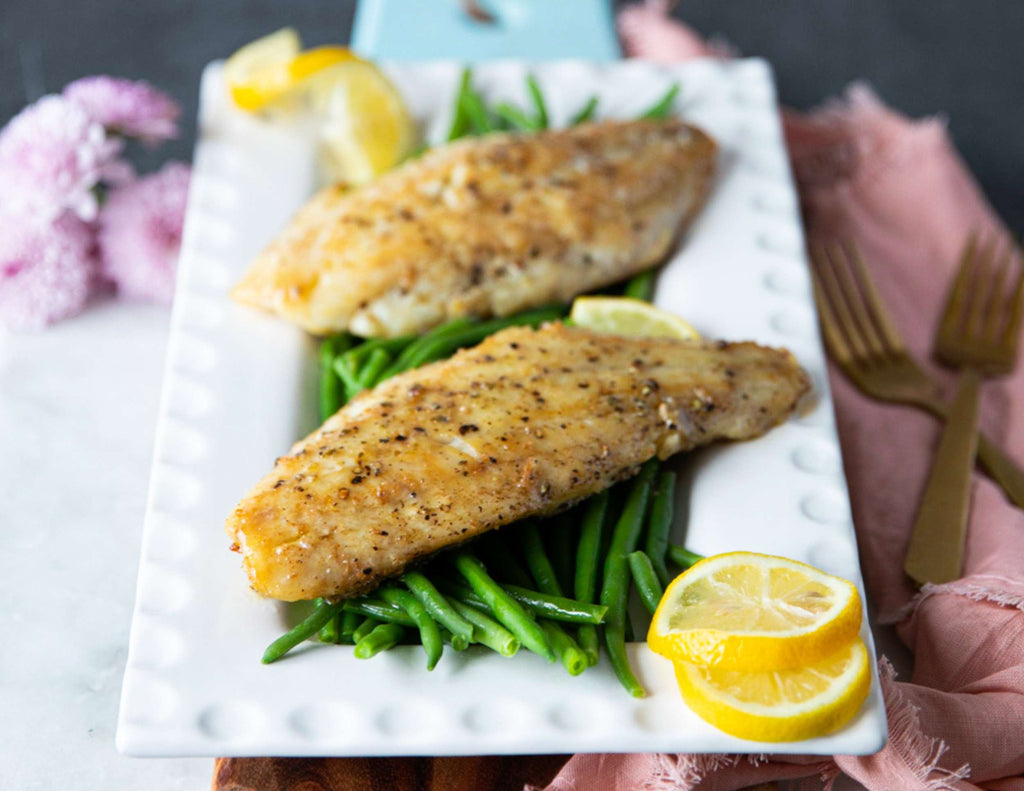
x=962, y=59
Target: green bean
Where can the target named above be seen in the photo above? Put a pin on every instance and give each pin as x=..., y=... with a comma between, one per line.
x=505, y=608
x=309, y=626
x=562, y=537
x=345, y=369
x=374, y=608
x=683, y=558
x=588, y=552
x=476, y=111
x=538, y=101
x=374, y=366
x=585, y=113
x=365, y=627
x=332, y=396
x=589, y=641
x=349, y=622
x=460, y=121
x=382, y=637
x=410, y=353
x=615, y=587
x=568, y=652
x=515, y=118
x=487, y=631
x=538, y=562
x=437, y=605
x=331, y=631
x=554, y=608
x=430, y=635
x=660, y=523
x=640, y=286
x=589, y=549
x=474, y=334
x=456, y=641
x=357, y=356
x=646, y=580
x=663, y=107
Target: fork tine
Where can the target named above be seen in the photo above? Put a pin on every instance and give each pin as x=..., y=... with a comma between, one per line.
x=980, y=288
x=874, y=301
x=834, y=290
x=1011, y=337
x=954, y=310
x=834, y=340
x=883, y=338
x=998, y=302
x=853, y=296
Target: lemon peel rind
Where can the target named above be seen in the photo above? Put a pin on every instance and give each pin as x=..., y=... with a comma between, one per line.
x=755, y=651
x=757, y=722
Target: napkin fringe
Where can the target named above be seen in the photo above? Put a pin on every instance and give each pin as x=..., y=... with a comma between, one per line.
x=684, y=772
x=919, y=754
x=971, y=588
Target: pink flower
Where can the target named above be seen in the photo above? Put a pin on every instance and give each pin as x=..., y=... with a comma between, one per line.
x=127, y=107
x=52, y=155
x=140, y=233
x=45, y=270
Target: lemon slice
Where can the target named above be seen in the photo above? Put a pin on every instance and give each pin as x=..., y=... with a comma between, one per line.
x=627, y=316
x=780, y=705
x=258, y=72
x=366, y=128
x=752, y=612
x=272, y=68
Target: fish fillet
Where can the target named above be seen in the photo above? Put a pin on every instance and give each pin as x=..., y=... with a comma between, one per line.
x=526, y=423
x=485, y=226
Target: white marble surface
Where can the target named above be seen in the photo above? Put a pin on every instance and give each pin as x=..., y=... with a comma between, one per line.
x=78, y=406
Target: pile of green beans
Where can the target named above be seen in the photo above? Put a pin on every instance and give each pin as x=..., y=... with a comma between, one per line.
x=511, y=591
x=471, y=115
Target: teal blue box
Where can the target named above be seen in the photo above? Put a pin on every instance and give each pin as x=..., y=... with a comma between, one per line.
x=408, y=30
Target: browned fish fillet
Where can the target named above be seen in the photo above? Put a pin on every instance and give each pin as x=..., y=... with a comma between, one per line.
x=486, y=226
x=526, y=423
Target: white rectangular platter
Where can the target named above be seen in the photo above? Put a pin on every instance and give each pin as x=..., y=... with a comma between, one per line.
x=240, y=387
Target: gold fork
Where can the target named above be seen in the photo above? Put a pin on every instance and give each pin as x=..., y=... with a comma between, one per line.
x=861, y=338
x=979, y=332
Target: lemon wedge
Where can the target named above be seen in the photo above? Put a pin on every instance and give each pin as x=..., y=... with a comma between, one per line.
x=366, y=128
x=627, y=316
x=752, y=612
x=261, y=74
x=780, y=705
x=258, y=72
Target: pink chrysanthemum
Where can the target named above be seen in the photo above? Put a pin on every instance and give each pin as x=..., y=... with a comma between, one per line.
x=140, y=233
x=52, y=155
x=45, y=270
x=127, y=107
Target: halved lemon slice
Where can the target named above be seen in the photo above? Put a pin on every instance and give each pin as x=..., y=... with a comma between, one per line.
x=366, y=127
x=260, y=74
x=780, y=705
x=627, y=316
x=752, y=612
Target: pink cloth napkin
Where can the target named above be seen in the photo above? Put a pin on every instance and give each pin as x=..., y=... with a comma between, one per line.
x=900, y=191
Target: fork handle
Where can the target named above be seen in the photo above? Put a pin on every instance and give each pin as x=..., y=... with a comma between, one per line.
x=937, y=542
x=1003, y=470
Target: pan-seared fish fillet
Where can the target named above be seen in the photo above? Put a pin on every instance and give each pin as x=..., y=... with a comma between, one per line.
x=485, y=226
x=526, y=423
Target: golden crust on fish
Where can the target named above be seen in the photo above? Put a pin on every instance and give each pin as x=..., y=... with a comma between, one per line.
x=486, y=226
x=526, y=423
